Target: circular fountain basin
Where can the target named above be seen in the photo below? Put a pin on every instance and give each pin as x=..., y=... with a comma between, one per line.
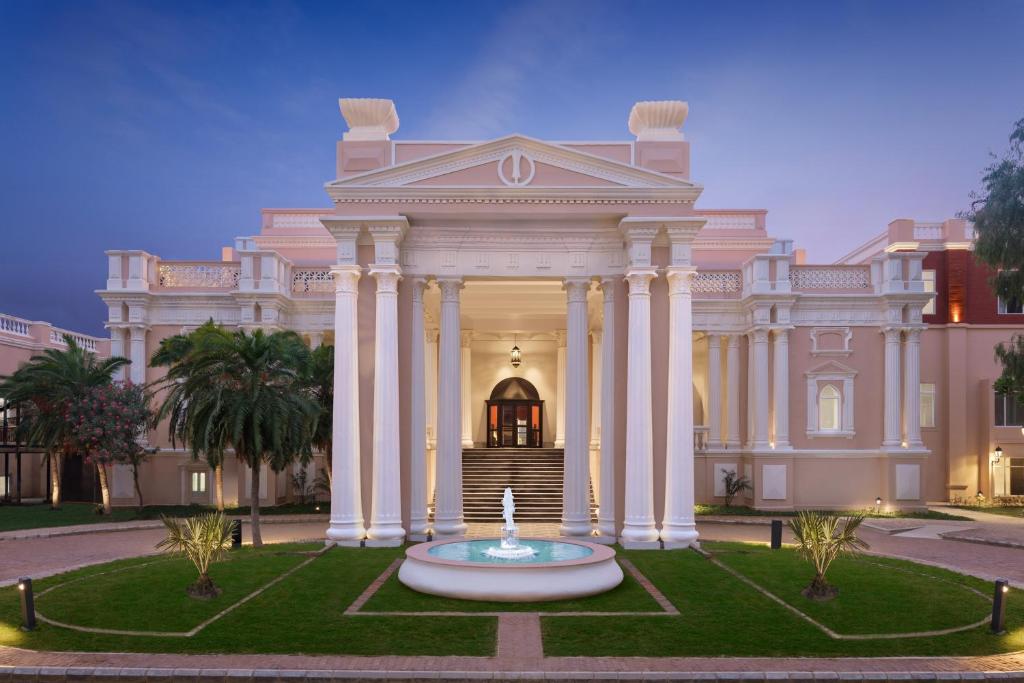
x=556, y=570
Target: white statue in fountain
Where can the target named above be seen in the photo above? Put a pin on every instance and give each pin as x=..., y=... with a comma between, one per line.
x=510, y=548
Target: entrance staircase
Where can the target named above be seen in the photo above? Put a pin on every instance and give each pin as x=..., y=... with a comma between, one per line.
x=535, y=475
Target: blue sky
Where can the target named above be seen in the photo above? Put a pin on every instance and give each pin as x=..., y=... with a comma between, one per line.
x=166, y=126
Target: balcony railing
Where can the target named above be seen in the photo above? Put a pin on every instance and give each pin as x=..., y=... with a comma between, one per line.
x=711, y=284
x=87, y=343
x=312, y=281
x=844, y=278
x=700, y=438
x=17, y=326
x=212, y=275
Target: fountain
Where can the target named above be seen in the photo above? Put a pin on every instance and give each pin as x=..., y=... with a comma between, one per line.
x=510, y=569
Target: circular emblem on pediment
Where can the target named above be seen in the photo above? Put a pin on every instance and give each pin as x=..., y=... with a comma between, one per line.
x=516, y=169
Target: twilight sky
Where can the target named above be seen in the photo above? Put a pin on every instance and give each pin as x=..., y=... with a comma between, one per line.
x=166, y=126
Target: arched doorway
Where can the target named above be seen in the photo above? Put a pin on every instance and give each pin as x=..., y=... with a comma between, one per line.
x=515, y=415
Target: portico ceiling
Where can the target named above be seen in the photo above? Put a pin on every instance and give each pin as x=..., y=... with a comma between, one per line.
x=509, y=305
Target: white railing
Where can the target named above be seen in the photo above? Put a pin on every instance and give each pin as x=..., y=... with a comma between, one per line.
x=700, y=437
x=87, y=343
x=830, y=277
x=717, y=282
x=199, y=275
x=12, y=325
x=738, y=221
x=312, y=281
x=928, y=231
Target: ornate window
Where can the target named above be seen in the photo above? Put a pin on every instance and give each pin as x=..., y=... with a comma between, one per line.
x=830, y=400
x=928, y=277
x=927, y=405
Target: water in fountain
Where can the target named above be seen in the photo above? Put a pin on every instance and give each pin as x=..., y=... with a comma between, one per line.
x=510, y=549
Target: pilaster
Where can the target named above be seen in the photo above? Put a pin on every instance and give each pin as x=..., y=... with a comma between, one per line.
x=606, y=525
x=418, y=518
x=448, y=516
x=466, y=337
x=560, y=336
x=714, y=407
x=732, y=366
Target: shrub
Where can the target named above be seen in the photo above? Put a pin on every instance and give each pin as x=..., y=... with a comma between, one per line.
x=203, y=540
x=734, y=485
x=821, y=537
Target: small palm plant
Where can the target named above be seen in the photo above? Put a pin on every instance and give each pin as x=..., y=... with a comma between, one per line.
x=821, y=538
x=203, y=539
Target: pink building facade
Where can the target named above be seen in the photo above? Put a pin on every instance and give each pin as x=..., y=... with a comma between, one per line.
x=668, y=343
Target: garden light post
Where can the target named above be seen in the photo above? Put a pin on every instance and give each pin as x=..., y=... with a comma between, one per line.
x=776, y=534
x=28, y=604
x=236, y=533
x=999, y=606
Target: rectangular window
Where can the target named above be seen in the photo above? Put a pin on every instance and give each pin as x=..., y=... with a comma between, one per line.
x=1009, y=412
x=199, y=482
x=927, y=405
x=1011, y=306
x=928, y=276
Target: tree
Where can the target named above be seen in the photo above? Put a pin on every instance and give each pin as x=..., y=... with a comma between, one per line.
x=172, y=353
x=820, y=539
x=318, y=376
x=243, y=391
x=203, y=540
x=998, y=217
x=106, y=423
x=45, y=386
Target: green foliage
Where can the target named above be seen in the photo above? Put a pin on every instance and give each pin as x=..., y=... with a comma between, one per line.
x=106, y=422
x=734, y=485
x=203, y=540
x=318, y=378
x=998, y=216
x=821, y=538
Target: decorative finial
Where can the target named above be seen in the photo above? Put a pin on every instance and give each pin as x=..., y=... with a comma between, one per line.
x=659, y=120
x=368, y=119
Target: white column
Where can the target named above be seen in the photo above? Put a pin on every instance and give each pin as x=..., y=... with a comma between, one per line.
x=781, y=388
x=346, y=524
x=467, y=389
x=760, y=376
x=386, y=508
x=595, y=414
x=678, y=527
x=560, y=391
x=912, y=388
x=606, y=511
x=892, y=387
x=137, y=354
x=430, y=372
x=117, y=346
x=714, y=407
x=639, y=525
x=418, y=525
x=732, y=365
x=448, y=514
x=575, y=501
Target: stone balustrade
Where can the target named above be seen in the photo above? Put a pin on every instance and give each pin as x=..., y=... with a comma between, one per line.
x=819, y=278
x=700, y=437
x=198, y=275
x=87, y=343
x=716, y=284
x=17, y=326
x=312, y=281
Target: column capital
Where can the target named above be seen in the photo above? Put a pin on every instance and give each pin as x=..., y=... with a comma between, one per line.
x=680, y=278
x=639, y=280
x=418, y=285
x=596, y=334
x=913, y=335
x=431, y=334
x=607, y=286
x=387, y=277
x=346, y=278
x=466, y=337
x=781, y=332
x=576, y=288
x=450, y=287
x=732, y=340
x=759, y=335
x=892, y=333
x=560, y=338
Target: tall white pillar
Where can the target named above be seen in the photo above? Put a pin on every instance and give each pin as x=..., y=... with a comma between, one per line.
x=891, y=438
x=560, y=391
x=346, y=525
x=732, y=366
x=448, y=487
x=137, y=354
x=781, y=388
x=430, y=371
x=606, y=511
x=595, y=413
x=467, y=389
x=575, y=501
x=117, y=346
x=760, y=376
x=418, y=518
x=386, y=508
x=912, y=388
x=678, y=526
x=639, y=527
x=714, y=407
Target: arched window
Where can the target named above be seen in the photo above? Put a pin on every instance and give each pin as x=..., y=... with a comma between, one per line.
x=829, y=401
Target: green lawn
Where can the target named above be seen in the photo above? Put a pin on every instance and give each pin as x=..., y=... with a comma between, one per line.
x=744, y=511
x=38, y=516
x=719, y=614
x=1006, y=510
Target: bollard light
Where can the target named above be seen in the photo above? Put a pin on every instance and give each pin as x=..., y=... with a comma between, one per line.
x=999, y=606
x=236, y=533
x=776, y=534
x=28, y=604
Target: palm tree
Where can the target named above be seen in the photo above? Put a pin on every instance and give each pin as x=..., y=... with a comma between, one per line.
x=243, y=391
x=45, y=386
x=318, y=376
x=820, y=539
x=171, y=354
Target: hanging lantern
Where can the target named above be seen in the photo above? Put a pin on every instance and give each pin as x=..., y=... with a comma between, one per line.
x=515, y=357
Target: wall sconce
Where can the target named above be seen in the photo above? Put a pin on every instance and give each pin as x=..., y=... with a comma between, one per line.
x=997, y=454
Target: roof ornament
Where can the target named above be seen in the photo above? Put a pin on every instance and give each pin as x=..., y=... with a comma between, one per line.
x=368, y=119
x=659, y=120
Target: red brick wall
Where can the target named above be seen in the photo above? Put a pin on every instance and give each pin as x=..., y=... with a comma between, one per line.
x=962, y=291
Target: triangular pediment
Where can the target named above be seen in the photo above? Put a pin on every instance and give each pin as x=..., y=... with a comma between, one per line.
x=515, y=161
x=832, y=368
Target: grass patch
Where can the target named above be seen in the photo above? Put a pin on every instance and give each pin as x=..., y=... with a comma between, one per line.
x=303, y=614
x=39, y=516
x=628, y=596
x=744, y=511
x=1005, y=510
